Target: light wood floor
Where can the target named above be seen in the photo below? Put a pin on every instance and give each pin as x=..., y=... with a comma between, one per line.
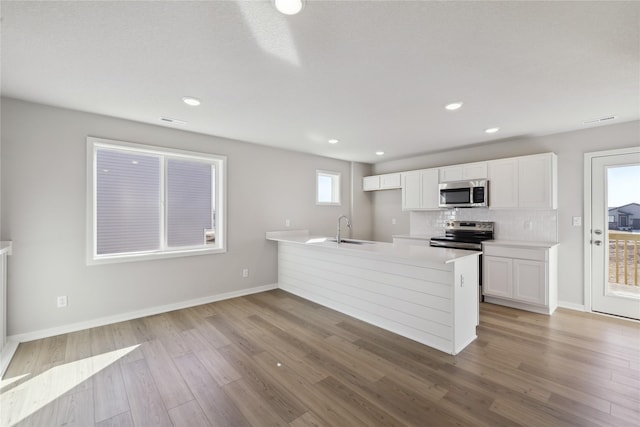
x=275, y=359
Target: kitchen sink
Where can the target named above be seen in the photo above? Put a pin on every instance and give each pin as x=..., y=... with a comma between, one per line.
x=351, y=242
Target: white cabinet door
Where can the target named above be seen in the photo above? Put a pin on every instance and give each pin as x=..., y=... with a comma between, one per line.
x=430, y=190
x=370, y=183
x=474, y=171
x=390, y=180
x=530, y=281
x=411, y=191
x=497, y=277
x=536, y=181
x=451, y=173
x=503, y=183
x=464, y=172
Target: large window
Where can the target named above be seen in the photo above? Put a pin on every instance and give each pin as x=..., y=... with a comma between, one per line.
x=148, y=202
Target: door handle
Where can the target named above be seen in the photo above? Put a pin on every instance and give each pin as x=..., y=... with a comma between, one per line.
x=598, y=232
x=597, y=242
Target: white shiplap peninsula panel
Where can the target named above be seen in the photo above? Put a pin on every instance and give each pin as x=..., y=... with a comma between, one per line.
x=433, y=303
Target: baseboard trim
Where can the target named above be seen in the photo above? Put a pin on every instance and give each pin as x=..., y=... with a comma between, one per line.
x=571, y=306
x=102, y=321
x=8, y=351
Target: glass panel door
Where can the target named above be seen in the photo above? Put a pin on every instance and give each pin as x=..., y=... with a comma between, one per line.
x=615, y=243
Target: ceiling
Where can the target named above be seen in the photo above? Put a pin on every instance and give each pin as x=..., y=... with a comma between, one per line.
x=374, y=74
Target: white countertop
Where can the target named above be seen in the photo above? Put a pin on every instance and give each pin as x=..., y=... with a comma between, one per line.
x=412, y=236
x=5, y=247
x=520, y=243
x=420, y=254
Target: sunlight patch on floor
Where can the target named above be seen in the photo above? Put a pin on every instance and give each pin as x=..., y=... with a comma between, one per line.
x=27, y=398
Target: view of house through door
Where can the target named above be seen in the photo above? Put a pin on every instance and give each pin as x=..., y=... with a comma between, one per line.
x=615, y=233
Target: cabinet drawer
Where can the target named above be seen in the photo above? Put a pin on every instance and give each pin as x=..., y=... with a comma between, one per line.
x=536, y=254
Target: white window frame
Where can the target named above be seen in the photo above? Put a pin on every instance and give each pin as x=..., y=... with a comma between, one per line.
x=336, y=178
x=93, y=144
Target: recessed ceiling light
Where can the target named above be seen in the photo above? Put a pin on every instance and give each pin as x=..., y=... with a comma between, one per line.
x=453, y=106
x=189, y=100
x=333, y=141
x=379, y=153
x=174, y=121
x=599, y=119
x=134, y=162
x=288, y=7
x=492, y=130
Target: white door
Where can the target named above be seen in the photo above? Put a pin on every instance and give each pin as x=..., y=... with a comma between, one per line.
x=614, y=245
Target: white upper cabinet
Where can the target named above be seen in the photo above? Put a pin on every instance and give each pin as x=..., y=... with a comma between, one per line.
x=503, y=183
x=537, y=181
x=390, y=180
x=370, y=183
x=465, y=172
x=420, y=190
x=381, y=182
x=524, y=182
x=411, y=191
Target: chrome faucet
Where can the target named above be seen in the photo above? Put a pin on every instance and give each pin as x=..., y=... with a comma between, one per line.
x=338, y=239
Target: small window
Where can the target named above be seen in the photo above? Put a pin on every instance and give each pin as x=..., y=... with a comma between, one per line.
x=327, y=188
x=611, y=218
x=148, y=202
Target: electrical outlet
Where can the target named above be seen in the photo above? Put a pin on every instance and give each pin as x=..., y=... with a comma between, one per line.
x=393, y=221
x=528, y=225
x=62, y=301
x=577, y=221
x=245, y=272
x=287, y=223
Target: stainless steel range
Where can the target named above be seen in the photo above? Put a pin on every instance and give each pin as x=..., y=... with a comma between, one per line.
x=464, y=235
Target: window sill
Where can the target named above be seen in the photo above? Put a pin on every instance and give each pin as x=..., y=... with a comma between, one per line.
x=150, y=256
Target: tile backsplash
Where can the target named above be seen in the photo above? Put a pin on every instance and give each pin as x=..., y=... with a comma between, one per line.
x=510, y=224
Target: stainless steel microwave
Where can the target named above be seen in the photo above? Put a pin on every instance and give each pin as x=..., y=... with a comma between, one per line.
x=464, y=194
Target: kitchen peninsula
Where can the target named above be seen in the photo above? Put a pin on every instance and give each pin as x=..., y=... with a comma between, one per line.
x=429, y=295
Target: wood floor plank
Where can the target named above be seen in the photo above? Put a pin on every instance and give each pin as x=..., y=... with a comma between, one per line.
x=123, y=337
x=329, y=409
x=76, y=409
x=120, y=420
x=217, y=366
x=235, y=335
x=42, y=416
x=284, y=402
x=171, y=385
x=308, y=419
x=109, y=393
x=218, y=407
x=189, y=414
x=253, y=406
x=24, y=361
x=145, y=403
x=365, y=409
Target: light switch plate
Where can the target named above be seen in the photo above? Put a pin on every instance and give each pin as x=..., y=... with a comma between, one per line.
x=577, y=221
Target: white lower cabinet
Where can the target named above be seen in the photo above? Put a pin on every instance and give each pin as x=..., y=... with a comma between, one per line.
x=498, y=276
x=521, y=275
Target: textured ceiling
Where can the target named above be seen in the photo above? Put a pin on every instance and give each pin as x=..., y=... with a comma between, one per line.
x=373, y=74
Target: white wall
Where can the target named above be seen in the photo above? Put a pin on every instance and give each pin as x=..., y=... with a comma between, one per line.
x=43, y=212
x=570, y=148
